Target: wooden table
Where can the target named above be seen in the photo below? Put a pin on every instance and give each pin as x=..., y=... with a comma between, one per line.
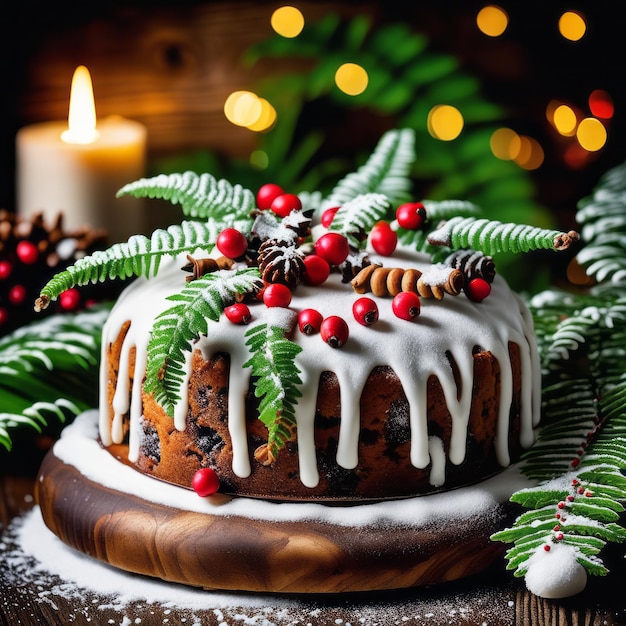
x=492, y=598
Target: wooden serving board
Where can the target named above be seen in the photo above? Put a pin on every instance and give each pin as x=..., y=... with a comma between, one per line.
x=241, y=554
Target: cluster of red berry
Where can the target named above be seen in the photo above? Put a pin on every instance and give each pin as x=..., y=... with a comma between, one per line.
x=30, y=254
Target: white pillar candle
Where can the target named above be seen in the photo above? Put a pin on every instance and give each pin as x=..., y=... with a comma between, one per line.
x=78, y=173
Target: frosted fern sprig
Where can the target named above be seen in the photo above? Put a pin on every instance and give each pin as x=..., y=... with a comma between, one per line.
x=385, y=172
x=356, y=217
x=492, y=236
x=273, y=363
x=174, y=329
x=200, y=196
x=48, y=371
x=139, y=256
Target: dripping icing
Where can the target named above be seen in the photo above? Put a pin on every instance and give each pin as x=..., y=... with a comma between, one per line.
x=414, y=350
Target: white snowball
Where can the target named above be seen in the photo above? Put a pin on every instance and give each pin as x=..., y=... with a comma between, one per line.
x=555, y=574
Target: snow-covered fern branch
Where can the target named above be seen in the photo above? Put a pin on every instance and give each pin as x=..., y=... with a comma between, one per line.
x=200, y=196
x=357, y=216
x=139, y=256
x=201, y=300
x=272, y=362
x=385, y=172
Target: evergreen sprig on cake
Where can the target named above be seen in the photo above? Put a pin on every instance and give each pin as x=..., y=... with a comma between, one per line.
x=271, y=245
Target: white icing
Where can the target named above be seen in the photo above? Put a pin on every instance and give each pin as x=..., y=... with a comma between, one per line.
x=414, y=350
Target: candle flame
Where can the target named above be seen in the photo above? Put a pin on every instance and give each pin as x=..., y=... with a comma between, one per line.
x=82, y=112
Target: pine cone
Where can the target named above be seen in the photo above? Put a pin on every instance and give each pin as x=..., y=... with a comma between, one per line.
x=473, y=264
x=281, y=262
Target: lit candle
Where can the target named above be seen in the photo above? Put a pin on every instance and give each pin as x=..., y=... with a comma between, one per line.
x=76, y=168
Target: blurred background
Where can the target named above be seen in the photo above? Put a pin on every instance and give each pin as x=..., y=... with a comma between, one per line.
x=517, y=106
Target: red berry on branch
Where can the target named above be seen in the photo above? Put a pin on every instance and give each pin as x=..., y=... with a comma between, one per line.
x=309, y=321
x=411, y=215
x=365, y=311
x=383, y=238
x=277, y=294
x=5, y=269
x=266, y=194
x=284, y=204
x=205, y=482
x=17, y=293
x=232, y=243
x=317, y=269
x=334, y=331
x=27, y=252
x=69, y=299
x=328, y=216
x=406, y=305
x=333, y=247
x=477, y=289
x=238, y=313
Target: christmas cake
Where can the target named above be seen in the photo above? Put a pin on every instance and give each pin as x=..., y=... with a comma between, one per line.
x=286, y=347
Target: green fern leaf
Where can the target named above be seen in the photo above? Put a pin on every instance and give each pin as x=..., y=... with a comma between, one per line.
x=359, y=215
x=492, y=236
x=140, y=256
x=277, y=381
x=386, y=172
x=200, y=196
x=173, y=331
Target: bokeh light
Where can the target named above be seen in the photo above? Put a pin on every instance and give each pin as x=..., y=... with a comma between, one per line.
x=505, y=143
x=572, y=25
x=591, y=134
x=530, y=155
x=245, y=108
x=352, y=79
x=565, y=120
x=259, y=159
x=492, y=20
x=445, y=122
x=601, y=104
x=287, y=21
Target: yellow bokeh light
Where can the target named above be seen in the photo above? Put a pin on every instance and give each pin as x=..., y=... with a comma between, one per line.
x=572, y=25
x=505, y=144
x=530, y=155
x=492, y=20
x=565, y=120
x=266, y=119
x=445, y=122
x=351, y=78
x=287, y=21
x=591, y=134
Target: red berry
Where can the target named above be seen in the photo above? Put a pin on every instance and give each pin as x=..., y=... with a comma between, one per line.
x=317, y=269
x=266, y=194
x=5, y=269
x=334, y=331
x=69, y=299
x=232, y=243
x=17, y=293
x=284, y=204
x=406, y=305
x=277, y=294
x=411, y=215
x=238, y=313
x=383, y=238
x=328, y=216
x=205, y=482
x=4, y=316
x=309, y=321
x=27, y=252
x=546, y=547
x=365, y=311
x=477, y=289
x=333, y=247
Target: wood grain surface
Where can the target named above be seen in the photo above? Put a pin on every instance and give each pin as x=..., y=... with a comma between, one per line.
x=492, y=597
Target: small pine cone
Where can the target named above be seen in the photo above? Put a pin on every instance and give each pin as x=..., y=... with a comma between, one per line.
x=298, y=222
x=473, y=264
x=353, y=264
x=281, y=262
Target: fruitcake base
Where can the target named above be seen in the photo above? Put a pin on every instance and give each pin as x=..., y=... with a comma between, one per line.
x=111, y=512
